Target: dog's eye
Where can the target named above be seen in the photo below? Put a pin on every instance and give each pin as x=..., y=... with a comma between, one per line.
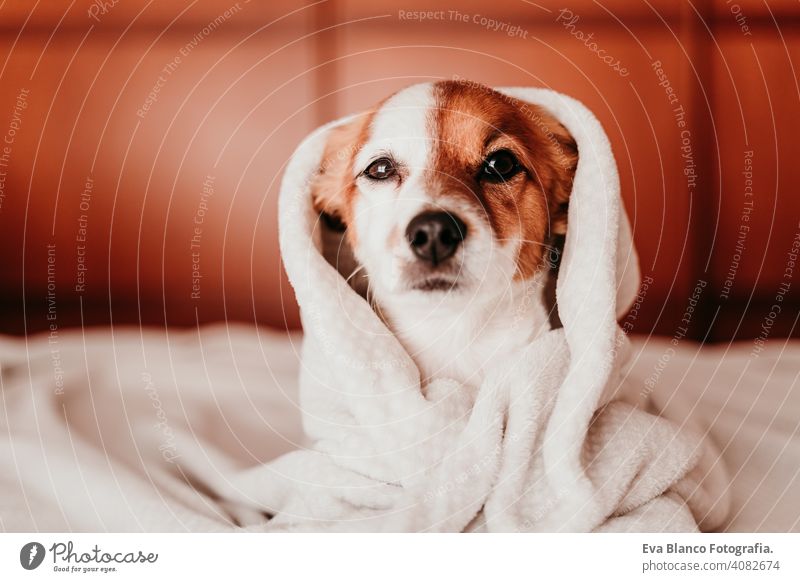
x=380, y=169
x=500, y=166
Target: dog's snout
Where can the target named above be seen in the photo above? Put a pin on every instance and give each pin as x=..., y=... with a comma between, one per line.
x=435, y=236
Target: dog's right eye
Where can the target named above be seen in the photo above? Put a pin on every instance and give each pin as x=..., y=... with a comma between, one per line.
x=380, y=169
x=500, y=166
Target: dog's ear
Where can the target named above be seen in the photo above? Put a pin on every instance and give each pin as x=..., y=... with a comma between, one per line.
x=334, y=184
x=566, y=162
x=557, y=157
x=332, y=192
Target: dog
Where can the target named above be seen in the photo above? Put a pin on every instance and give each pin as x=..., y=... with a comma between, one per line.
x=445, y=206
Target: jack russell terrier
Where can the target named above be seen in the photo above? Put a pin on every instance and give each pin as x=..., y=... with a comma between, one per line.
x=444, y=206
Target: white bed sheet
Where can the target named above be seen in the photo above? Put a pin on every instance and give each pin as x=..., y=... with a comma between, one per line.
x=90, y=421
x=751, y=403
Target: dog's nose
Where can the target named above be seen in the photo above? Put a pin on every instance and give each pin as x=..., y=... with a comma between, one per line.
x=435, y=236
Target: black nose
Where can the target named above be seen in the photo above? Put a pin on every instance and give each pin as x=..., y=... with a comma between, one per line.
x=435, y=236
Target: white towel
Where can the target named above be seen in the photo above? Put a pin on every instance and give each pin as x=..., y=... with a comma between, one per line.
x=549, y=443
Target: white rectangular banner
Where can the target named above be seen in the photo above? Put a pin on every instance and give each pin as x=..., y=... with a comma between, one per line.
x=353, y=557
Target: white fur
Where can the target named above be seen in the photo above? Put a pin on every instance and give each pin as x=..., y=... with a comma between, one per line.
x=461, y=337
x=400, y=129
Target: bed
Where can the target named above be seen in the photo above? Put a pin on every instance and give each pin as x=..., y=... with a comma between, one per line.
x=98, y=426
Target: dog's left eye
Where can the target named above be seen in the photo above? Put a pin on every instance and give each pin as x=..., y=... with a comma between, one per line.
x=500, y=166
x=380, y=169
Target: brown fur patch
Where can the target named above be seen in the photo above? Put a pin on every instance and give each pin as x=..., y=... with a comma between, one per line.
x=334, y=187
x=472, y=120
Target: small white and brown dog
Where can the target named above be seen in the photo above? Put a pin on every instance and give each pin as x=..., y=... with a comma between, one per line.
x=444, y=206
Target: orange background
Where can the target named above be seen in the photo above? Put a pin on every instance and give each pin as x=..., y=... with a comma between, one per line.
x=243, y=94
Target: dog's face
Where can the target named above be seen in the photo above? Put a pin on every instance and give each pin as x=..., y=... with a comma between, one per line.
x=447, y=188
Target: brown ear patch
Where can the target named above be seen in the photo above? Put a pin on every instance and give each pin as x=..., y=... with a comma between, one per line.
x=553, y=157
x=560, y=159
x=334, y=189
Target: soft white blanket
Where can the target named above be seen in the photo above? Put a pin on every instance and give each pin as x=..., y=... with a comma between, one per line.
x=549, y=442
x=98, y=438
